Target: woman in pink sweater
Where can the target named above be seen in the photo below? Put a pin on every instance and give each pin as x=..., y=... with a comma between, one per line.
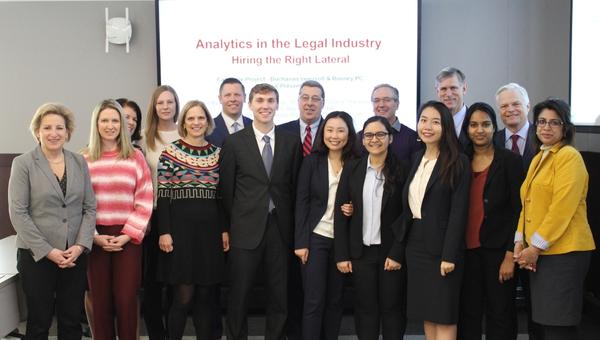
x=123, y=185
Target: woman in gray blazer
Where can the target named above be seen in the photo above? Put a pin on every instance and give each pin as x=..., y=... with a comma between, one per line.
x=53, y=209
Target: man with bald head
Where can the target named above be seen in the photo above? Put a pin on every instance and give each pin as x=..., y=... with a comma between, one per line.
x=451, y=87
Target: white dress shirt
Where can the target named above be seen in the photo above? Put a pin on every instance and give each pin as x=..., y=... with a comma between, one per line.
x=229, y=122
x=372, y=201
x=325, y=226
x=522, y=133
x=459, y=117
x=418, y=185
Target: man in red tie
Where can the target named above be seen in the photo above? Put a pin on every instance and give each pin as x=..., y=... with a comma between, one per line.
x=311, y=100
x=513, y=103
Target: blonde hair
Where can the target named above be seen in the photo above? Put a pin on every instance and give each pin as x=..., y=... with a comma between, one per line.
x=186, y=108
x=94, y=148
x=49, y=109
x=151, y=130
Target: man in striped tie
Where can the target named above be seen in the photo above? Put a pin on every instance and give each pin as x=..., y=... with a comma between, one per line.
x=311, y=100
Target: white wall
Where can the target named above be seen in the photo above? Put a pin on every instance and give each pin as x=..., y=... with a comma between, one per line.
x=54, y=51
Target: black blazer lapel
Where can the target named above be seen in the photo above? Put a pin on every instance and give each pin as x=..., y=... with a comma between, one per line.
x=434, y=177
x=323, y=171
x=251, y=146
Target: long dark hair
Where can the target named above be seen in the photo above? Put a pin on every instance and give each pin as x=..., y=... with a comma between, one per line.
x=450, y=167
x=392, y=169
x=349, y=150
x=135, y=136
x=487, y=109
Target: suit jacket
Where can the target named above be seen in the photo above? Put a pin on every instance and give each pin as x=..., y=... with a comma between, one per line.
x=443, y=210
x=43, y=217
x=501, y=202
x=404, y=144
x=293, y=127
x=311, y=197
x=528, y=153
x=554, y=202
x=348, y=231
x=245, y=186
x=217, y=137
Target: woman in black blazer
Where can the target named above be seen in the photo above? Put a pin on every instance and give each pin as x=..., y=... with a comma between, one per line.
x=494, y=207
x=315, y=203
x=435, y=202
x=367, y=243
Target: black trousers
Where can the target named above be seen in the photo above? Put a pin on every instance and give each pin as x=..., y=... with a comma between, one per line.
x=323, y=290
x=379, y=297
x=153, y=307
x=482, y=294
x=244, y=264
x=295, y=298
x=49, y=288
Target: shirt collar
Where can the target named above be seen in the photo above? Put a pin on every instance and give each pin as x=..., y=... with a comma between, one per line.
x=523, y=132
x=397, y=125
x=313, y=127
x=229, y=122
x=259, y=135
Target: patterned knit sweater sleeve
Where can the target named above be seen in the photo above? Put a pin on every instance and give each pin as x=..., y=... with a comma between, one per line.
x=137, y=222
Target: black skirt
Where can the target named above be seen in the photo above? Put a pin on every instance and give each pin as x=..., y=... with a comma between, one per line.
x=430, y=296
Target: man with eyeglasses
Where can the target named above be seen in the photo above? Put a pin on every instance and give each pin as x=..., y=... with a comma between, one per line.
x=451, y=87
x=385, y=99
x=518, y=134
x=231, y=96
x=311, y=100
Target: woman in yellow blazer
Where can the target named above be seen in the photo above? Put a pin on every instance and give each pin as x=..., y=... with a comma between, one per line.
x=553, y=238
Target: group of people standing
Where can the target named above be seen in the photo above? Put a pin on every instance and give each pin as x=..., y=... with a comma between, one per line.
x=430, y=225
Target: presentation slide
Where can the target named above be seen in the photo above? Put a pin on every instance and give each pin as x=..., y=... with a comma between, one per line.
x=347, y=46
x=585, y=71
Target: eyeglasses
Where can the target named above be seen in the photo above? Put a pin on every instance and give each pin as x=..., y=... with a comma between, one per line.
x=385, y=100
x=380, y=135
x=552, y=122
x=314, y=99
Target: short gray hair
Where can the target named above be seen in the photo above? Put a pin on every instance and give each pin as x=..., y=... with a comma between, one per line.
x=515, y=87
x=449, y=72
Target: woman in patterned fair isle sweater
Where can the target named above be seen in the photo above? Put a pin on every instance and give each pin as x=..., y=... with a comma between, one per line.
x=191, y=237
x=123, y=186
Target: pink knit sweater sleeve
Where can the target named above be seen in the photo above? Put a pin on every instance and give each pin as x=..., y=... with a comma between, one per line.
x=135, y=226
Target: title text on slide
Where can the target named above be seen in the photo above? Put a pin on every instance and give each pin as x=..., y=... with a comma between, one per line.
x=296, y=43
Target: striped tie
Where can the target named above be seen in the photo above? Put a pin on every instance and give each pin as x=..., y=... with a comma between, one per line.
x=307, y=144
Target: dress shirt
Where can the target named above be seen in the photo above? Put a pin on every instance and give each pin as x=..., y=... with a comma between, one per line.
x=459, y=117
x=325, y=226
x=372, y=200
x=397, y=125
x=522, y=133
x=313, y=130
x=259, y=139
x=229, y=122
x=418, y=185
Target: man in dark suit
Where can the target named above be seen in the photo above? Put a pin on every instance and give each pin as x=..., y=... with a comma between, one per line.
x=258, y=173
x=513, y=102
x=311, y=100
x=231, y=96
x=405, y=142
x=451, y=87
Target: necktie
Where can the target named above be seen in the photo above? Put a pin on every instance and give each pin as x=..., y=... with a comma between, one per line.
x=514, y=147
x=235, y=126
x=267, y=157
x=307, y=144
